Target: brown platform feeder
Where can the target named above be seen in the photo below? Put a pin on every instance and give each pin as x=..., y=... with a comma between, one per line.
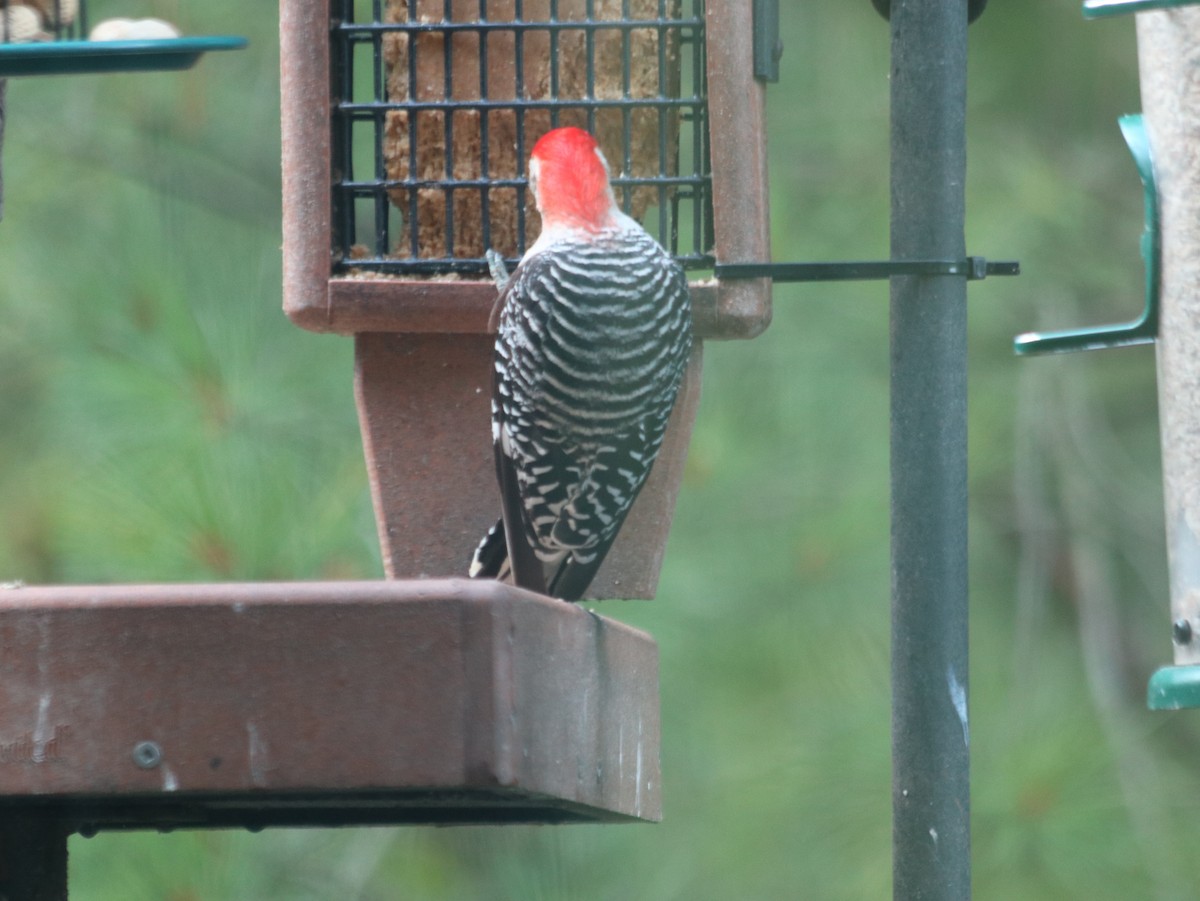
x=322, y=704
x=312, y=704
x=384, y=233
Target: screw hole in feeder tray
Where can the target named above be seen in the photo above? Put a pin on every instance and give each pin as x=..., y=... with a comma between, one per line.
x=51, y=37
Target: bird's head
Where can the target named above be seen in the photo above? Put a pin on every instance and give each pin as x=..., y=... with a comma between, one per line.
x=569, y=178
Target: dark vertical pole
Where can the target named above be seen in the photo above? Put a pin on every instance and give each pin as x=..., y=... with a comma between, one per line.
x=930, y=762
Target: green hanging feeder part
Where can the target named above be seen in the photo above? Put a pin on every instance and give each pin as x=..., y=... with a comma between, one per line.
x=1097, y=9
x=89, y=57
x=1144, y=329
x=1174, y=688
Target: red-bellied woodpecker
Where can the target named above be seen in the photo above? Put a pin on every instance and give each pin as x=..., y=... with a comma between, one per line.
x=594, y=334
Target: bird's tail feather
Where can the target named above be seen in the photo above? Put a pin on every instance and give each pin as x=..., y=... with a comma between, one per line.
x=490, y=560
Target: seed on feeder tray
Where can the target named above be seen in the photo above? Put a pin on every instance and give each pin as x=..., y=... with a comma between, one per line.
x=20, y=24
x=133, y=30
x=110, y=30
x=152, y=30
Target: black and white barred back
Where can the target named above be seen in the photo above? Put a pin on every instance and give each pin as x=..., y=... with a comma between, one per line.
x=594, y=336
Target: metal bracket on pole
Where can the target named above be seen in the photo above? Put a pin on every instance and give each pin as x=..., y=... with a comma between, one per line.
x=972, y=268
x=1144, y=329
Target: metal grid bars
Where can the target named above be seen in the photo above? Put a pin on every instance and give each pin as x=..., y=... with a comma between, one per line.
x=437, y=104
x=27, y=21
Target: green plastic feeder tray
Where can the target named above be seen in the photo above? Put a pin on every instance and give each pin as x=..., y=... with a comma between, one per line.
x=1095, y=9
x=87, y=57
x=1174, y=687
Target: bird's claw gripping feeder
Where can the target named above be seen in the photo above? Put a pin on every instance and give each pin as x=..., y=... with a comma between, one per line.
x=1162, y=142
x=397, y=188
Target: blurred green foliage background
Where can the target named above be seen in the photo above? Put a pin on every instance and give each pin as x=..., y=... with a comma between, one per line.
x=163, y=421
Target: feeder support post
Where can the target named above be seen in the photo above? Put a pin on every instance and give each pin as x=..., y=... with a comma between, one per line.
x=930, y=760
x=33, y=857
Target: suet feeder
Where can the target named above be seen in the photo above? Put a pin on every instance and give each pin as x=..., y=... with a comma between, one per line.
x=406, y=130
x=56, y=37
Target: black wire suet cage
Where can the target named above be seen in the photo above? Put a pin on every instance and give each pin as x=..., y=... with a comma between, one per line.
x=438, y=102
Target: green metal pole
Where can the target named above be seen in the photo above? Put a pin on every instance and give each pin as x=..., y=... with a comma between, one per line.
x=930, y=758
